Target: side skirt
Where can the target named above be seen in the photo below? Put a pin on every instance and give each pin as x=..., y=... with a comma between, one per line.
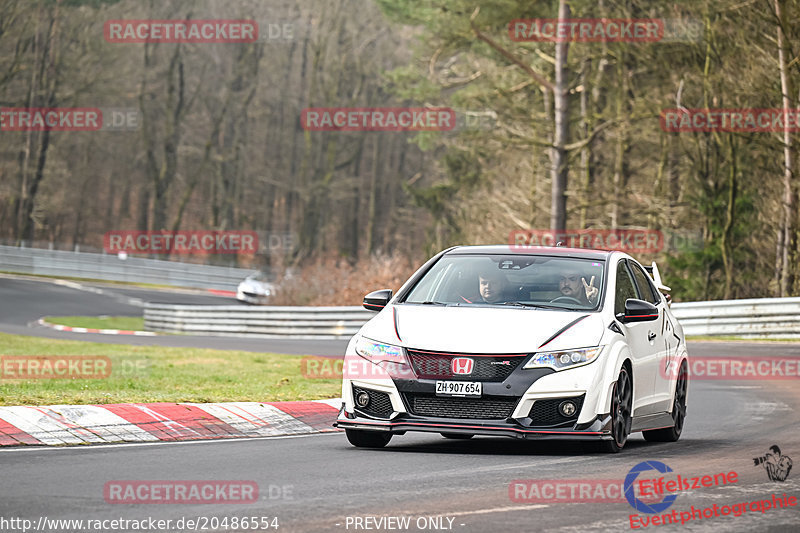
x=654, y=421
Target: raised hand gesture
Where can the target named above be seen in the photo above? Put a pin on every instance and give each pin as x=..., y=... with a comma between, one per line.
x=591, y=291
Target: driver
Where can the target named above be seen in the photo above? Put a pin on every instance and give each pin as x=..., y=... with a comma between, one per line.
x=492, y=286
x=573, y=285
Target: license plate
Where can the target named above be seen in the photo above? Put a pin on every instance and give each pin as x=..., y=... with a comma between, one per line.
x=458, y=388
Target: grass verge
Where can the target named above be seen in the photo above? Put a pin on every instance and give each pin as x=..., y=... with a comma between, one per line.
x=96, y=280
x=159, y=374
x=132, y=323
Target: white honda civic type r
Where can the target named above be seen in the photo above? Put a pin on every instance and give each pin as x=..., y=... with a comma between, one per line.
x=527, y=342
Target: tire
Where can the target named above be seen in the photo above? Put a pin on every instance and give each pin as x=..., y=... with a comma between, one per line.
x=678, y=412
x=621, y=406
x=368, y=439
x=462, y=436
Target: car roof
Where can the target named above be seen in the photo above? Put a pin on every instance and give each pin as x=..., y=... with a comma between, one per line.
x=524, y=249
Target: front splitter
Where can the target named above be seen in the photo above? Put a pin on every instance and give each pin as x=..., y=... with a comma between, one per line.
x=596, y=430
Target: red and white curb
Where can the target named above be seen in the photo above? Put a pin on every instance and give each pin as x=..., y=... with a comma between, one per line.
x=56, y=425
x=59, y=327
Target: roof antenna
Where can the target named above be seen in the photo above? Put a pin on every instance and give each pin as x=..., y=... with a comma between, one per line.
x=560, y=243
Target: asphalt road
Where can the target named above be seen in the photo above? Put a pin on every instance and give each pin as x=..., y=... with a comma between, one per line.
x=420, y=475
x=321, y=483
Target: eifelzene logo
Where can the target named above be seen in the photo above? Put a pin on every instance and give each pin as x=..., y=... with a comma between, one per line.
x=775, y=463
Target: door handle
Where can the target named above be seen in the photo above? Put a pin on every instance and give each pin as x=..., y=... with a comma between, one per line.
x=651, y=336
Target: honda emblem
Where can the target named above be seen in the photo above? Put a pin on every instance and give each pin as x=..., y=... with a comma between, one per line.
x=461, y=365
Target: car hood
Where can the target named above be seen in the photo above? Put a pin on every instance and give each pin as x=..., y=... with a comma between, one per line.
x=484, y=329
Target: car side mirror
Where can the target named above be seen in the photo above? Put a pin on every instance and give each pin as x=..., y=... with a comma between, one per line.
x=377, y=300
x=638, y=311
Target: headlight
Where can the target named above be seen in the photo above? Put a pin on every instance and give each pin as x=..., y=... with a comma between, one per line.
x=564, y=359
x=379, y=351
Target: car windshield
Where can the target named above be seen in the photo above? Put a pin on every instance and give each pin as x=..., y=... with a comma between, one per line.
x=260, y=276
x=512, y=280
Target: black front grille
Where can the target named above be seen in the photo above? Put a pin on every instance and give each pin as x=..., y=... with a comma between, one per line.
x=481, y=408
x=544, y=413
x=437, y=365
x=380, y=405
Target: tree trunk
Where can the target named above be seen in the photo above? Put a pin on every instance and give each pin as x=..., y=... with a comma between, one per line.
x=726, y=244
x=373, y=178
x=558, y=152
x=788, y=225
x=586, y=150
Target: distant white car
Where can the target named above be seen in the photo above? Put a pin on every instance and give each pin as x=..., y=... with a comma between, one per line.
x=255, y=289
x=538, y=343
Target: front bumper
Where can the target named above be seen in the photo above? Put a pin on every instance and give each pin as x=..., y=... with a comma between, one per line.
x=252, y=298
x=519, y=403
x=597, y=429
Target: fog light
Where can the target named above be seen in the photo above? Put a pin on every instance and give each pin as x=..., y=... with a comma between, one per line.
x=567, y=408
x=362, y=400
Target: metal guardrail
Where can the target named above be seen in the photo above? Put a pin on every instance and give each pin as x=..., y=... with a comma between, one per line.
x=768, y=317
x=764, y=318
x=112, y=268
x=754, y=318
x=262, y=321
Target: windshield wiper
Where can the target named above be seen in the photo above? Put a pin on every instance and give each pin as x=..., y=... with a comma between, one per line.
x=534, y=306
x=432, y=303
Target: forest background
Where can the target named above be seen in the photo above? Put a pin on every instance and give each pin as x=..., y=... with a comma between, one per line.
x=548, y=135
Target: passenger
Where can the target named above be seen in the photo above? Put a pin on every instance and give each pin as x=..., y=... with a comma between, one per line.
x=492, y=286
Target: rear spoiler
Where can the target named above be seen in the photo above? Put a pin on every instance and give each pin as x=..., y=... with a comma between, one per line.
x=653, y=271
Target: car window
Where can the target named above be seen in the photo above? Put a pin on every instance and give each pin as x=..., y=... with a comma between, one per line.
x=427, y=287
x=646, y=289
x=522, y=280
x=625, y=288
